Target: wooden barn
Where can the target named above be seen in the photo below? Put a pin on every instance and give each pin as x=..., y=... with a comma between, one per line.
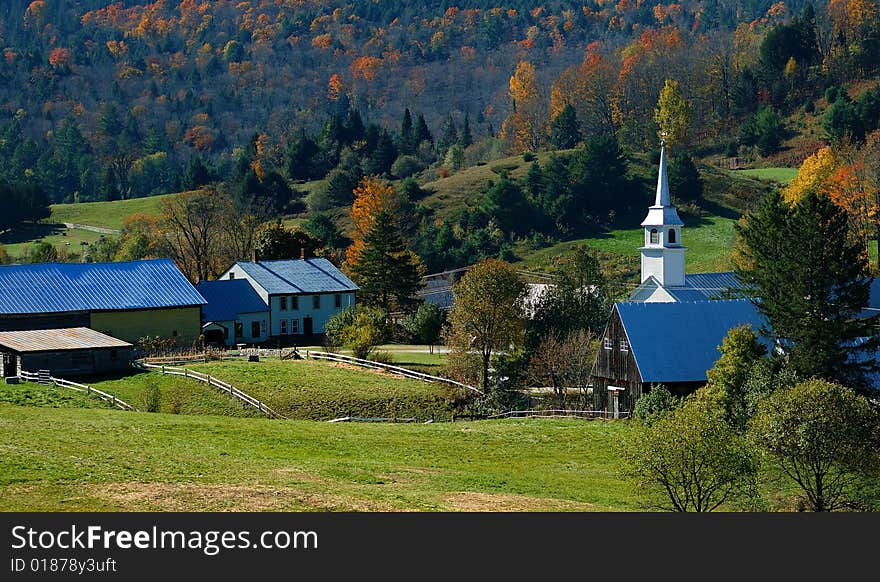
x=125, y=300
x=662, y=343
x=78, y=351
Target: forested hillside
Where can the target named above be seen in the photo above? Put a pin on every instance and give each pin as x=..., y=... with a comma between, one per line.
x=113, y=100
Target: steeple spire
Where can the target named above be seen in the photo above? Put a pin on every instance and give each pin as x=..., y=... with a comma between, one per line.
x=662, y=198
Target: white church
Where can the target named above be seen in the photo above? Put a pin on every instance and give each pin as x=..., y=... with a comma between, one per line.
x=669, y=329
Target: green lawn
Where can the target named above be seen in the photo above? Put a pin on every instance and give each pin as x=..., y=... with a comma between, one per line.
x=320, y=390
x=63, y=239
x=176, y=393
x=105, y=214
x=784, y=175
x=97, y=460
x=27, y=394
x=708, y=240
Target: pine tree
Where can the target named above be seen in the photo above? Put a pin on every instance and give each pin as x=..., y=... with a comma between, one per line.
x=811, y=281
x=407, y=134
x=422, y=133
x=564, y=131
x=466, y=138
x=388, y=274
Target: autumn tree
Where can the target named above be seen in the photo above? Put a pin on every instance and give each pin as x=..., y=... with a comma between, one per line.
x=371, y=197
x=672, y=114
x=191, y=229
x=487, y=317
x=564, y=362
x=388, y=274
x=525, y=127
x=274, y=241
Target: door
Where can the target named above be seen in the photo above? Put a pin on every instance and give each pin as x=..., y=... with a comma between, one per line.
x=307, y=325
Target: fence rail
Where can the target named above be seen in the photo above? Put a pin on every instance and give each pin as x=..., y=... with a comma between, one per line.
x=44, y=377
x=211, y=381
x=362, y=419
x=560, y=413
x=387, y=367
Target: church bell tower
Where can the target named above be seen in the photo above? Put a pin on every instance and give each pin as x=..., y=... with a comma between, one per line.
x=662, y=253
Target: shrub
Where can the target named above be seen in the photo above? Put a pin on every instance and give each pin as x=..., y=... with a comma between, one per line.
x=406, y=166
x=151, y=397
x=529, y=157
x=656, y=403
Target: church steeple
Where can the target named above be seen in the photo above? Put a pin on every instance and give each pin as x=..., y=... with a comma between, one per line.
x=662, y=254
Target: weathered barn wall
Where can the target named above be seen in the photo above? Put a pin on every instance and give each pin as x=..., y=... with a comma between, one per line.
x=184, y=323
x=70, y=363
x=615, y=367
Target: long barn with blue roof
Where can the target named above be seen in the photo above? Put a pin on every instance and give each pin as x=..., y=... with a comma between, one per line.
x=127, y=300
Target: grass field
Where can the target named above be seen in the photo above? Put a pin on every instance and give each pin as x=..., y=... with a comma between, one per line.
x=105, y=214
x=176, y=393
x=708, y=240
x=63, y=239
x=96, y=460
x=783, y=175
x=319, y=390
x=27, y=394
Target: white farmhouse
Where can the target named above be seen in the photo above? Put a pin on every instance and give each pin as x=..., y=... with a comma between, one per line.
x=301, y=294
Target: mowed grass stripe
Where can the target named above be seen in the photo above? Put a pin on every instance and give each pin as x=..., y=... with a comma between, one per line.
x=66, y=459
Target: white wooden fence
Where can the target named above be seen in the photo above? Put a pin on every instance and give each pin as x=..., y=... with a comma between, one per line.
x=388, y=367
x=44, y=377
x=210, y=381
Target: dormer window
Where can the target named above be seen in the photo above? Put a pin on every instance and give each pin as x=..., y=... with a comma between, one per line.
x=672, y=236
x=608, y=343
x=655, y=239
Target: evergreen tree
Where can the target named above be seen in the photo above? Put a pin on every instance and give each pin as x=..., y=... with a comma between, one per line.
x=300, y=156
x=810, y=279
x=449, y=135
x=197, y=174
x=383, y=156
x=422, y=133
x=388, y=274
x=684, y=178
x=564, y=131
x=407, y=134
x=466, y=138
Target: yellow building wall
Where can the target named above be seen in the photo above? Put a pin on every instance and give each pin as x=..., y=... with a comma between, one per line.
x=184, y=323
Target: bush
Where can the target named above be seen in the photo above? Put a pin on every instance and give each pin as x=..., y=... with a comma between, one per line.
x=151, y=397
x=359, y=329
x=406, y=166
x=656, y=403
x=529, y=157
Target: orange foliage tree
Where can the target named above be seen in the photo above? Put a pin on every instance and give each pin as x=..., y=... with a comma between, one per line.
x=372, y=196
x=526, y=126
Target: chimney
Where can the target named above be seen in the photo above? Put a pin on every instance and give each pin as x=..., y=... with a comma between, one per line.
x=253, y=255
x=302, y=253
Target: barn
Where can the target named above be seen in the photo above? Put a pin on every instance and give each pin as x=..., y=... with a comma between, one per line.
x=127, y=300
x=78, y=351
x=670, y=343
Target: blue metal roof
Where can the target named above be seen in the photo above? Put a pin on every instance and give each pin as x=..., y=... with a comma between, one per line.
x=298, y=276
x=705, y=287
x=226, y=299
x=64, y=287
x=678, y=342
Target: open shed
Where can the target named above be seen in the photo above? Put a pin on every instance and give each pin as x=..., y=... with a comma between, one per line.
x=77, y=351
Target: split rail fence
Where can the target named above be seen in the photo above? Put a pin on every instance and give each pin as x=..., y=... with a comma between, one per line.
x=45, y=378
x=211, y=381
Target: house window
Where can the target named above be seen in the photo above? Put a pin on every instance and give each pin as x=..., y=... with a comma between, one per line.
x=283, y=327
x=337, y=301
x=263, y=327
x=239, y=330
x=283, y=303
x=672, y=236
x=173, y=333
x=654, y=238
x=114, y=355
x=294, y=302
x=316, y=302
x=624, y=347
x=255, y=329
x=608, y=344
x=231, y=276
x=294, y=326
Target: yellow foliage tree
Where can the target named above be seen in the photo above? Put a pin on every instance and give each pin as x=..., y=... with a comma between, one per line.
x=672, y=114
x=525, y=127
x=812, y=175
